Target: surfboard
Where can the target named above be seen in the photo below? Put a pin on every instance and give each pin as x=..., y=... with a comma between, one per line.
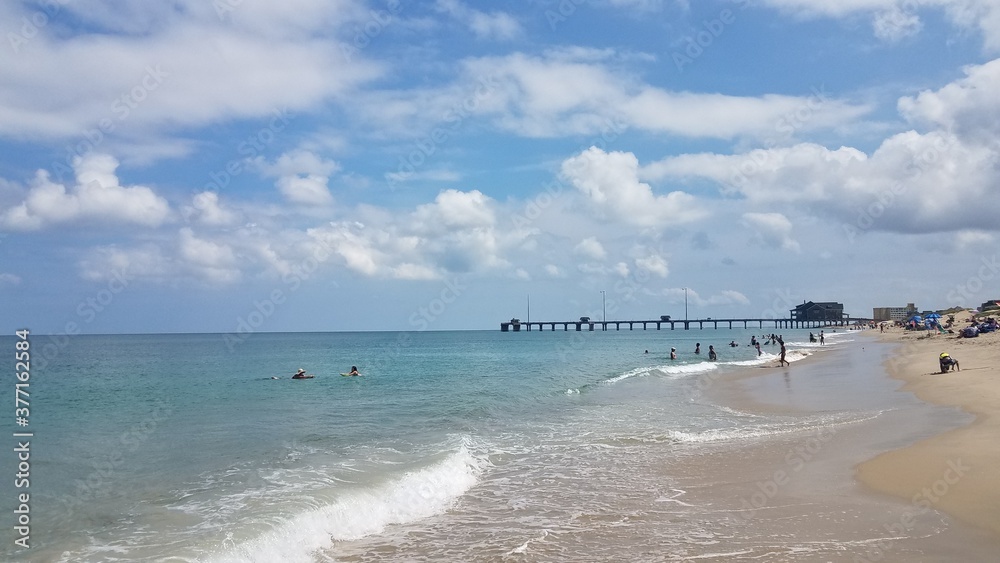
x=350, y=375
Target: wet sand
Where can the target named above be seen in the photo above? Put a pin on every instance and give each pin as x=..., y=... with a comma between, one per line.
x=957, y=471
x=799, y=497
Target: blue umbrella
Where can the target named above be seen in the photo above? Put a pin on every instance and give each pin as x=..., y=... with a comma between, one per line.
x=933, y=316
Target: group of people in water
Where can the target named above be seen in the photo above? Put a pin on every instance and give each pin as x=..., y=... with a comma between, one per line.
x=773, y=339
x=301, y=373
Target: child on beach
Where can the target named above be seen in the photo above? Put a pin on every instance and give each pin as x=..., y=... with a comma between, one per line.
x=946, y=361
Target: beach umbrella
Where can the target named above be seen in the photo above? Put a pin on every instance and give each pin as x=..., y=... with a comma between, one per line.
x=932, y=316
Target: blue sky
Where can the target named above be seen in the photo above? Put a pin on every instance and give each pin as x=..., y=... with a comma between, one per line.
x=240, y=165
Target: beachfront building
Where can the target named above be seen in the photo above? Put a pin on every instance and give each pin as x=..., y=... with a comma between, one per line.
x=818, y=311
x=990, y=305
x=894, y=313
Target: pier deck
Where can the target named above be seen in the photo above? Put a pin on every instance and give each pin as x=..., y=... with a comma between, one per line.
x=686, y=324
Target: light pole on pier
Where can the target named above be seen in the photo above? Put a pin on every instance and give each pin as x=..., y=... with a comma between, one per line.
x=685, y=304
x=604, y=307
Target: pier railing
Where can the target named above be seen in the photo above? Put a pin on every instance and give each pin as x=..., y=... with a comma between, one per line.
x=685, y=324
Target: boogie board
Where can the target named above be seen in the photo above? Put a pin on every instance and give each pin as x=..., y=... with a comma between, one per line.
x=304, y=377
x=351, y=375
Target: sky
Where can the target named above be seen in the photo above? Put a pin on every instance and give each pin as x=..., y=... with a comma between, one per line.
x=241, y=166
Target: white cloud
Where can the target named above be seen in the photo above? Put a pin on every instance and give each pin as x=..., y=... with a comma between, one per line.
x=773, y=230
x=969, y=106
x=724, y=297
x=965, y=239
x=912, y=183
x=895, y=24
x=494, y=25
x=586, y=92
x=150, y=69
x=590, y=248
x=454, y=208
x=654, y=264
x=9, y=279
x=610, y=181
x=553, y=271
x=96, y=196
x=891, y=16
x=206, y=209
x=302, y=176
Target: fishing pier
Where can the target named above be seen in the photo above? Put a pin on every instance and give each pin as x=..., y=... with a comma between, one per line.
x=515, y=325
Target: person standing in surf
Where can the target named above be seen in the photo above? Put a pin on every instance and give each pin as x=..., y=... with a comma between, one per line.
x=782, y=361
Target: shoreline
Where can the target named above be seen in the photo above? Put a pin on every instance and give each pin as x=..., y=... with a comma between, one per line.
x=956, y=470
x=810, y=486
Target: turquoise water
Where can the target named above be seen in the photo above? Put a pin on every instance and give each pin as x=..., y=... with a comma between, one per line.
x=451, y=444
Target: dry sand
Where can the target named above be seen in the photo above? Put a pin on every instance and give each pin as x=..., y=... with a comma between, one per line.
x=957, y=471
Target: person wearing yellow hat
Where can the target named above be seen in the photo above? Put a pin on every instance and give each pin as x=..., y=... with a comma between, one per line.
x=947, y=361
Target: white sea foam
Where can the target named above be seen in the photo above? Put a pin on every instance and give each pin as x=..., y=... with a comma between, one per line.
x=416, y=495
x=742, y=433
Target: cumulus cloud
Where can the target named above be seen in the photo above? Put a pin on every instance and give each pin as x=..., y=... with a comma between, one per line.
x=454, y=208
x=96, y=196
x=206, y=209
x=653, y=264
x=302, y=176
x=969, y=107
x=590, y=248
x=773, y=230
x=610, y=181
x=911, y=183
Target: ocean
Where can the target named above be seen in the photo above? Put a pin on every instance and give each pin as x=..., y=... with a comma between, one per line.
x=470, y=445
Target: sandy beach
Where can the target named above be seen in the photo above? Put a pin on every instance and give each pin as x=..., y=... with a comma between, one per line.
x=899, y=473
x=957, y=470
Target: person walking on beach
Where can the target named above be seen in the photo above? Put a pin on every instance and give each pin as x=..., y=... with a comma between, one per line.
x=822, y=339
x=782, y=361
